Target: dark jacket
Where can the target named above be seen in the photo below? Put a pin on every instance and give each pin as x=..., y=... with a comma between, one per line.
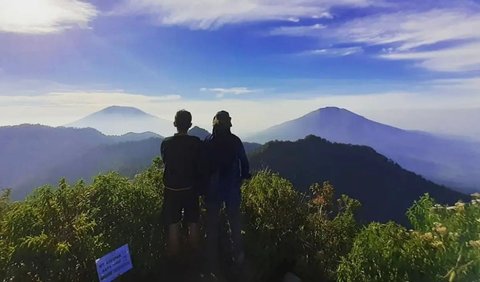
x=185, y=164
x=228, y=163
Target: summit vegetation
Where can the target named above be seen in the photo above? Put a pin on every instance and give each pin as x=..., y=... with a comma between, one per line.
x=57, y=232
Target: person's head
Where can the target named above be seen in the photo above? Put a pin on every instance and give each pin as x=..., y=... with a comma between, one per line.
x=222, y=119
x=183, y=121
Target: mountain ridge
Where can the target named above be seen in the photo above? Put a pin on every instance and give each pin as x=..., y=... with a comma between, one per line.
x=448, y=161
x=119, y=120
x=357, y=171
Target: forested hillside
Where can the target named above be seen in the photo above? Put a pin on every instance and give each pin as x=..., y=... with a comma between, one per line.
x=126, y=158
x=33, y=155
x=384, y=188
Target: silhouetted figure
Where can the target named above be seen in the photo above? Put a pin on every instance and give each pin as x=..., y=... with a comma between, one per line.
x=228, y=166
x=182, y=158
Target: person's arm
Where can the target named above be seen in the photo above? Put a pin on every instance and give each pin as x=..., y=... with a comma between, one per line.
x=244, y=165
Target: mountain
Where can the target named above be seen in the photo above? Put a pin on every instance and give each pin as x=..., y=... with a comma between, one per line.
x=384, y=188
x=448, y=161
x=127, y=158
x=199, y=132
x=117, y=120
x=34, y=155
x=30, y=150
x=132, y=136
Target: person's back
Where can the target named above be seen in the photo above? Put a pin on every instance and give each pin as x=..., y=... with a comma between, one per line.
x=182, y=158
x=227, y=159
x=181, y=155
x=228, y=165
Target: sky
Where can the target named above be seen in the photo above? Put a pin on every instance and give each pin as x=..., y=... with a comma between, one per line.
x=411, y=64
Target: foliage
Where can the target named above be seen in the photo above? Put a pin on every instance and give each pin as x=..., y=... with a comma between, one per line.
x=330, y=230
x=57, y=233
x=274, y=218
x=445, y=246
x=287, y=229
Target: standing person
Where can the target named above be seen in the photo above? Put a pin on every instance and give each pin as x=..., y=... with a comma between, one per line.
x=182, y=157
x=228, y=165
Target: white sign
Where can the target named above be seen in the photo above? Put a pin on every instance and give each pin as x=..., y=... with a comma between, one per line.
x=114, y=264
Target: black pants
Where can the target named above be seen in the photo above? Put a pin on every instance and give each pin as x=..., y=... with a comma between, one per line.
x=174, y=202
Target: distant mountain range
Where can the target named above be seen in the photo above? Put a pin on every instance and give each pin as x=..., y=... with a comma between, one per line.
x=117, y=120
x=35, y=155
x=448, y=161
x=385, y=189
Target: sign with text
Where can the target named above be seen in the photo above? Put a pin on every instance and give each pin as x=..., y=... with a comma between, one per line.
x=114, y=264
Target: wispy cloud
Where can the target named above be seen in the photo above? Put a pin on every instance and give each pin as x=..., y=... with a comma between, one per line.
x=308, y=30
x=208, y=14
x=411, y=29
x=81, y=99
x=463, y=57
x=221, y=92
x=44, y=16
x=333, y=52
x=471, y=84
x=438, y=39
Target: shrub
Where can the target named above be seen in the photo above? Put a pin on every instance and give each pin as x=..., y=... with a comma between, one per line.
x=329, y=232
x=275, y=215
x=307, y=233
x=57, y=233
x=445, y=245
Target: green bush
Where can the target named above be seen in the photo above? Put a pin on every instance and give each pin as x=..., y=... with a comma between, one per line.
x=329, y=232
x=275, y=215
x=286, y=228
x=444, y=246
x=57, y=233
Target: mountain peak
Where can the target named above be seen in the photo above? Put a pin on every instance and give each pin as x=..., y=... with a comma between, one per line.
x=122, y=110
x=334, y=110
x=199, y=132
x=331, y=108
x=118, y=120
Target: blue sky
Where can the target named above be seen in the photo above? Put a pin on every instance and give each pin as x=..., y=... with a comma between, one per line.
x=413, y=64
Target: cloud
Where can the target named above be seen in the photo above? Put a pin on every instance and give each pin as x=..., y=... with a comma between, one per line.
x=346, y=51
x=44, y=16
x=411, y=29
x=82, y=99
x=250, y=115
x=470, y=84
x=309, y=30
x=221, y=92
x=464, y=57
x=438, y=39
x=210, y=14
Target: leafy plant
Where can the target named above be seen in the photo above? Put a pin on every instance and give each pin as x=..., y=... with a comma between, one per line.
x=57, y=233
x=444, y=246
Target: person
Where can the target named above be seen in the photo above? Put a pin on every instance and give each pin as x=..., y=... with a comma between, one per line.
x=228, y=166
x=181, y=155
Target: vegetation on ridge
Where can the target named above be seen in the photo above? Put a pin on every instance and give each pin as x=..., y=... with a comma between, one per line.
x=58, y=232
